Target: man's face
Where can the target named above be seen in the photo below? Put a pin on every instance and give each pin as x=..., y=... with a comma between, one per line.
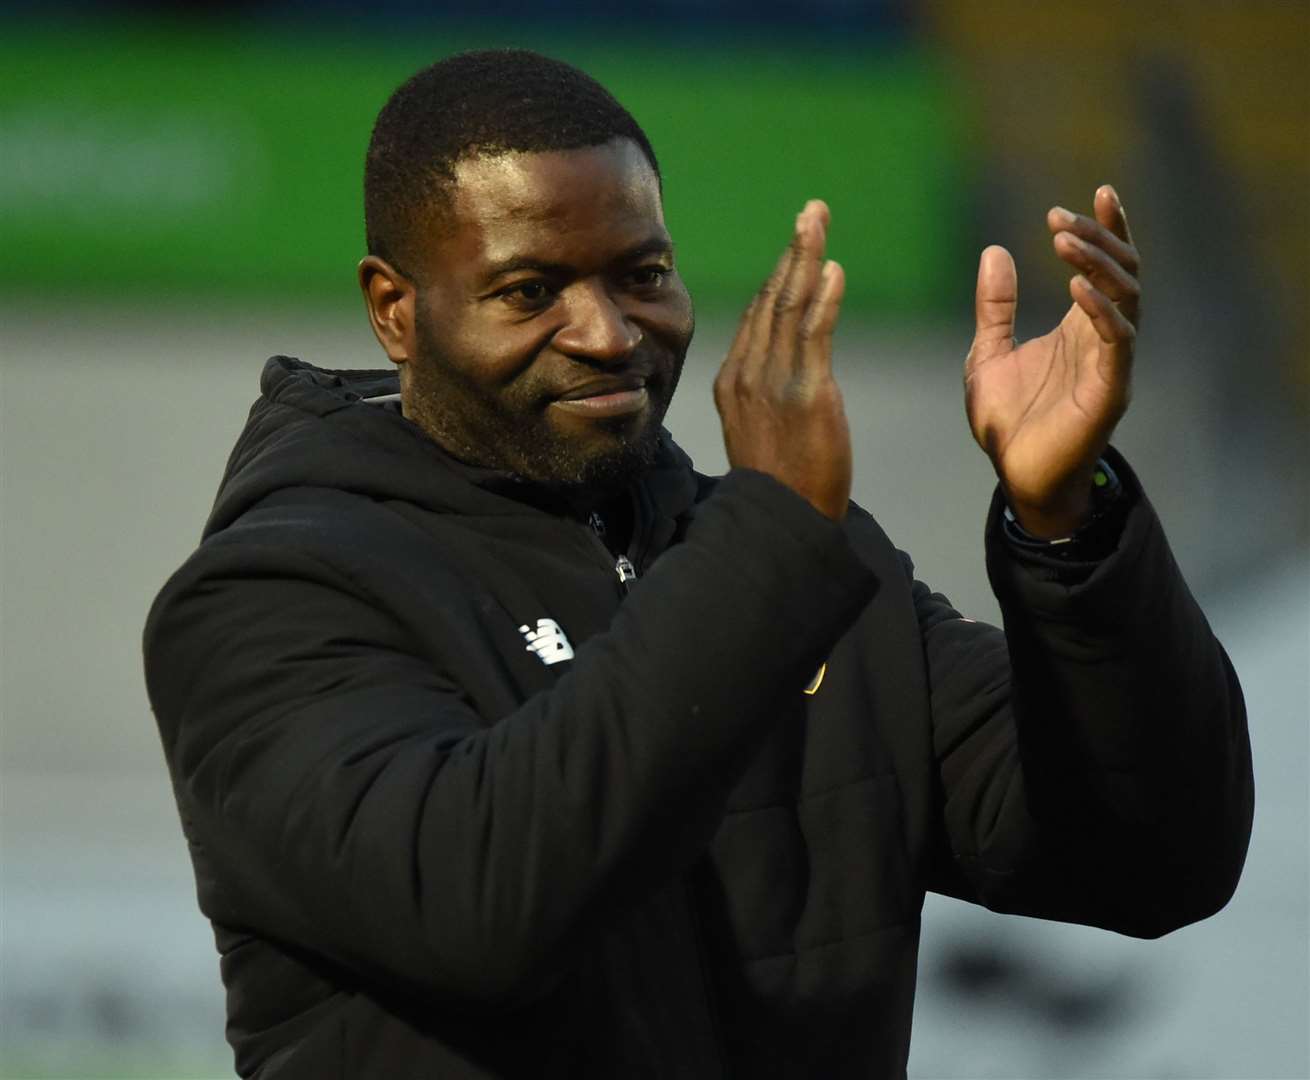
x=550, y=323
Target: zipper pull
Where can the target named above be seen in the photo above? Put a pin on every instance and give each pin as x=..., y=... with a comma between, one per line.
x=626, y=571
x=597, y=524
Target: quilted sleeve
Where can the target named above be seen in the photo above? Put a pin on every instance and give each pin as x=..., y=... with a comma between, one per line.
x=1093, y=757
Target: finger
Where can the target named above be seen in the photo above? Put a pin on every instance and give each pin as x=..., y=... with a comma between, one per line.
x=796, y=293
x=1111, y=325
x=1109, y=211
x=996, y=301
x=820, y=321
x=1101, y=270
x=740, y=342
x=760, y=312
x=1058, y=219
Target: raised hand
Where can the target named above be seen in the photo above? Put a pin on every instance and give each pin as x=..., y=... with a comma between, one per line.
x=781, y=409
x=1044, y=411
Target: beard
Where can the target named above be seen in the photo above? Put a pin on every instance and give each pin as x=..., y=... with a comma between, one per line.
x=508, y=427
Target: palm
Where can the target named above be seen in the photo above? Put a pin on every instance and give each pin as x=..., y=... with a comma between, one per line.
x=1043, y=411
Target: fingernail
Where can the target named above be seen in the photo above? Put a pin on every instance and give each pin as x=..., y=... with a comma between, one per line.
x=1063, y=216
x=1114, y=195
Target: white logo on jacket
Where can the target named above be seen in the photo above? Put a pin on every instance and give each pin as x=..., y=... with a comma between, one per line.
x=547, y=641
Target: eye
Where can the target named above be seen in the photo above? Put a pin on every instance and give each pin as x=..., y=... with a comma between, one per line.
x=648, y=277
x=528, y=294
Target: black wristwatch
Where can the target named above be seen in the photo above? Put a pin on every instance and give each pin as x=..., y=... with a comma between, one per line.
x=1095, y=538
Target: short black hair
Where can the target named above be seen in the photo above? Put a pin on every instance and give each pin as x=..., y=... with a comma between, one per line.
x=486, y=102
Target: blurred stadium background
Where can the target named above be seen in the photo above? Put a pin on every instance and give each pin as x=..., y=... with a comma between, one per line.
x=180, y=197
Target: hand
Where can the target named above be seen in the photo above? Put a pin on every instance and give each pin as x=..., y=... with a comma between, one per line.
x=781, y=409
x=1043, y=411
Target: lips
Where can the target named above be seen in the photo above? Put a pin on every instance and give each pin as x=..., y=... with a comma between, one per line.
x=615, y=396
x=604, y=387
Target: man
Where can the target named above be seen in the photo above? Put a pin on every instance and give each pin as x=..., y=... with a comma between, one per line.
x=507, y=745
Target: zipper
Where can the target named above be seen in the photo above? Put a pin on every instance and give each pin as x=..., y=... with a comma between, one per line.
x=626, y=571
x=623, y=568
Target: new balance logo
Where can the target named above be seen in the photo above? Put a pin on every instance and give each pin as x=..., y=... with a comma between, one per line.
x=547, y=641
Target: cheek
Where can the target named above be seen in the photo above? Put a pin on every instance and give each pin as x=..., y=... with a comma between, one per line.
x=675, y=319
x=484, y=352
x=687, y=310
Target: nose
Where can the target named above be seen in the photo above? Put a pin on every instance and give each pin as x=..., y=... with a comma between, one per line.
x=596, y=328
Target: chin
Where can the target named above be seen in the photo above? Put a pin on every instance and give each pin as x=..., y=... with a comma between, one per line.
x=607, y=463
x=619, y=468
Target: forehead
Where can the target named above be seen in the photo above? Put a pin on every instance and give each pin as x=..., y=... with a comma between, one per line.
x=590, y=199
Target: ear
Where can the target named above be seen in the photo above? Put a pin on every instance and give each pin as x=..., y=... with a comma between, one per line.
x=390, y=298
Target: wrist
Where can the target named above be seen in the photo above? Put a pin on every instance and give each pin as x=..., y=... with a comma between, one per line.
x=1056, y=519
x=1093, y=536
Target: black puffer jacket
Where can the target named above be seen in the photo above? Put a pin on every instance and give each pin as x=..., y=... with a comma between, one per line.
x=428, y=853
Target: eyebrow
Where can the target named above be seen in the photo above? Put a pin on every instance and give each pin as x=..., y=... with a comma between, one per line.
x=516, y=263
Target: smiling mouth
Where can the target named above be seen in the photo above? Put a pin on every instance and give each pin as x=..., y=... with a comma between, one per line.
x=616, y=403
x=616, y=398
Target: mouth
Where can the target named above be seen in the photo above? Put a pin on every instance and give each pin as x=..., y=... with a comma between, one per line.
x=605, y=397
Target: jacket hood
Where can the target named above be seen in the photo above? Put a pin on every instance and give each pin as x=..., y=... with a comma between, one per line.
x=312, y=427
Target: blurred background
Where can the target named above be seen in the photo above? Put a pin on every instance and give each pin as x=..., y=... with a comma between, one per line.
x=180, y=190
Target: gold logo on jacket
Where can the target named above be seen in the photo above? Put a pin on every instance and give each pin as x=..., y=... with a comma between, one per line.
x=817, y=681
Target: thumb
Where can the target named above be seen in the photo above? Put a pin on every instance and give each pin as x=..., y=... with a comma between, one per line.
x=995, y=303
